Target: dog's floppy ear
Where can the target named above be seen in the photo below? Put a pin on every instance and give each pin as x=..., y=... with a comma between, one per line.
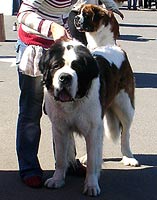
x=99, y=12
x=44, y=66
x=110, y=13
x=114, y=24
x=42, y=61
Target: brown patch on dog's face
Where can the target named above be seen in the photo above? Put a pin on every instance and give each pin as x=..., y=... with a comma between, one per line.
x=89, y=18
x=84, y=20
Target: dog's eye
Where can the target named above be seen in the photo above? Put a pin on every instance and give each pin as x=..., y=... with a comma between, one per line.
x=55, y=66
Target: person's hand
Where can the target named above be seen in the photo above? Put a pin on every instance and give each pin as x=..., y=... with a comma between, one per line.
x=58, y=32
x=119, y=13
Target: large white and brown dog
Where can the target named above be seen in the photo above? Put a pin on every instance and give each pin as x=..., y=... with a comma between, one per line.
x=100, y=25
x=86, y=93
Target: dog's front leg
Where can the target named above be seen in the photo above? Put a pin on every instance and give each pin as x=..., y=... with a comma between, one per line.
x=61, y=148
x=94, y=160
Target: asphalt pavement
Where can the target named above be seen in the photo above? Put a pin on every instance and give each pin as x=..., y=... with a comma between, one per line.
x=138, y=37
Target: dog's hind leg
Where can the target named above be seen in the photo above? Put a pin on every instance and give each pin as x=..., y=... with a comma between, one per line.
x=124, y=110
x=111, y=125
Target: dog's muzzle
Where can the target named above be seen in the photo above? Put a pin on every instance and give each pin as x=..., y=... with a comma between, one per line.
x=81, y=25
x=63, y=93
x=65, y=79
x=78, y=24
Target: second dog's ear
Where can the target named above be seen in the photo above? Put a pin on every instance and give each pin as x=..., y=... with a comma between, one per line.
x=110, y=13
x=100, y=11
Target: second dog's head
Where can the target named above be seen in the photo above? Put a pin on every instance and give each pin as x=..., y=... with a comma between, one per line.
x=68, y=70
x=90, y=17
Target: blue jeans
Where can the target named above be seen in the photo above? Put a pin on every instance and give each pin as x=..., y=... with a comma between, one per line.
x=130, y=4
x=28, y=125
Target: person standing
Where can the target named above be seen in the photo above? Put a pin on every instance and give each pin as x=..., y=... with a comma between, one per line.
x=134, y=4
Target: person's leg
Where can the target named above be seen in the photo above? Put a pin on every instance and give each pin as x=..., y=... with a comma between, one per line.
x=145, y=3
x=140, y=3
x=129, y=4
x=28, y=126
x=135, y=4
x=149, y=4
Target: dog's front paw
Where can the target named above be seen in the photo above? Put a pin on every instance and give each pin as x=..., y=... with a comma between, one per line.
x=91, y=191
x=91, y=187
x=130, y=161
x=52, y=183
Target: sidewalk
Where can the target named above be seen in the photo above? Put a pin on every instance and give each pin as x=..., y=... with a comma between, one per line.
x=139, y=39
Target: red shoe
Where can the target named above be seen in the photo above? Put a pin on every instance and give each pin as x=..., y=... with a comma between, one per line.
x=33, y=181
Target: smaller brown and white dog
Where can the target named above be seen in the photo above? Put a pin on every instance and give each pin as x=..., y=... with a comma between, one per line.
x=100, y=25
x=102, y=30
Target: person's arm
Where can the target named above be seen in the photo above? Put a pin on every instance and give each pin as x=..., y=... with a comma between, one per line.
x=28, y=16
x=111, y=5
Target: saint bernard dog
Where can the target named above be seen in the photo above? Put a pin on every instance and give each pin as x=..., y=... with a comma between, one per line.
x=100, y=25
x=89, y=95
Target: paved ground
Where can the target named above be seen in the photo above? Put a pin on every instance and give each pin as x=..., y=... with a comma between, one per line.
x=139, y=39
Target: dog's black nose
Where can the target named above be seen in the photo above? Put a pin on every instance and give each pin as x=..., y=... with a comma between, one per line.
x=65, y=78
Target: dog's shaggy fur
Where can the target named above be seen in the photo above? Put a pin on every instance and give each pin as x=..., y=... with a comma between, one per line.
x=86, y=93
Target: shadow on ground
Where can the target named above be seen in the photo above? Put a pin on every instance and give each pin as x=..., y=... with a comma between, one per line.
x=135, y=38
x=116, y=184
x=139, y=25
x=146, y=80
x=2, y=57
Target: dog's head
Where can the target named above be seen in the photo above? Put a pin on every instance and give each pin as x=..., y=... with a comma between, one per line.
x=91, y=17
x=68, y=70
